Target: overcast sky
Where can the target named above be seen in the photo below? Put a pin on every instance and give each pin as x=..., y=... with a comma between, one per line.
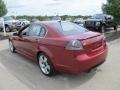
x=53, y=7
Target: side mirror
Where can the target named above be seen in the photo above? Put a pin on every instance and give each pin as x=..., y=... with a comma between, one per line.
x=15, y=34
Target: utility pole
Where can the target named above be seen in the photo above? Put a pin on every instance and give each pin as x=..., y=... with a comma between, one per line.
x=3, y=24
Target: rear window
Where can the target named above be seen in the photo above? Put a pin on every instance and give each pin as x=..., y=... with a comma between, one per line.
x=68, y=28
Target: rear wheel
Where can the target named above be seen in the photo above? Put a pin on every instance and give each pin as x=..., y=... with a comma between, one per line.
x=46, y=65
x=11, y=46
x=7, y=29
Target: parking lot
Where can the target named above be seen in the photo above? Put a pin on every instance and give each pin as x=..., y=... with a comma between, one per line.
x=19, y=73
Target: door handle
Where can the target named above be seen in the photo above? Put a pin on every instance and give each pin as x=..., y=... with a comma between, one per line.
x=36, y=40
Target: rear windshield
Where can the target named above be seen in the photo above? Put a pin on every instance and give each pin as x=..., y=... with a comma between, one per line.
x=68, y=28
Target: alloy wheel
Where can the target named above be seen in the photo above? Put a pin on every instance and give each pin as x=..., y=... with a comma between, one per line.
x=7, y=29
x=44, y=65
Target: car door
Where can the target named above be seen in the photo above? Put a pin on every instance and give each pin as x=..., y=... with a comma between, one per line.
x=31, y=41
x=19, y=42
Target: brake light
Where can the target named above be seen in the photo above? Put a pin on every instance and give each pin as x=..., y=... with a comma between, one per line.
x=74, y=45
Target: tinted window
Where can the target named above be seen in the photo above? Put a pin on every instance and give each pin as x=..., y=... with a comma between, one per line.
x=34, y=30
x=68, y=28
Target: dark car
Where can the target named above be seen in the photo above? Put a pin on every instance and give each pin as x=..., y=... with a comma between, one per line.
x=60, y=46
x=100, y=22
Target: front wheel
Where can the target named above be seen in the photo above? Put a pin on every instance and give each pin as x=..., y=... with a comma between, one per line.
x=46, y=65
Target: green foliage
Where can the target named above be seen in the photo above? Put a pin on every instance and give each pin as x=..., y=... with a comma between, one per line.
x=3, y=9
x=33, y=17
x=42, y=18
x=113, y=8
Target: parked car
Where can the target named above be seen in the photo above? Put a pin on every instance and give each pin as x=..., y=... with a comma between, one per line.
x=10, y=23
x=34, y=20
x=60, y=46
x=22, y=22
x=68, y=19
x=100, y=22
x=56, y=18
x=79, y=21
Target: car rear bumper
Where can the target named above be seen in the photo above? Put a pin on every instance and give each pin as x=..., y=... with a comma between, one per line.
x=85, y=62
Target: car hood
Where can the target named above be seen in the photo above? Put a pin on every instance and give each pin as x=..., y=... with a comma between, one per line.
x=12, y=21
x=83, y=36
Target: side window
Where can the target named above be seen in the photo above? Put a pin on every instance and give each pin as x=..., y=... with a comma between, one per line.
x=34, y=30
x=42, y=32
x=25, y=31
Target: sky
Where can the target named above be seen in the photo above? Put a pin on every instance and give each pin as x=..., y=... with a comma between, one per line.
x=54, y=7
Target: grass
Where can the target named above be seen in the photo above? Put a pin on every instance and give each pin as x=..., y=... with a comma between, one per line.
x=3, y=37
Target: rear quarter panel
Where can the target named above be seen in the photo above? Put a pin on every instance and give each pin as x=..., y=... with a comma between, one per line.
x=55, y=49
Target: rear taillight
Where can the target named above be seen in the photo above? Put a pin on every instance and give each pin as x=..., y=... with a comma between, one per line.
x=74, y=45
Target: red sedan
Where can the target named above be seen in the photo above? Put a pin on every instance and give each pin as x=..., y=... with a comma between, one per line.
x=60, y=46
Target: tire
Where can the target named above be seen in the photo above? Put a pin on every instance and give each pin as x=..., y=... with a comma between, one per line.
x=11, y=47
x=46, y=65
x=115, y=28
x=7, y=29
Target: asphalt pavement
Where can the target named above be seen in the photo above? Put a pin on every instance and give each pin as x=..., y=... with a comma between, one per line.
x=19, y=73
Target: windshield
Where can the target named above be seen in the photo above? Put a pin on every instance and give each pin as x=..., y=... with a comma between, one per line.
x=8, y=18
x=68, y=28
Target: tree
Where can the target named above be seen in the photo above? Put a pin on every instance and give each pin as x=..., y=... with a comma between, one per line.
x=3, y=9
x=113, y=8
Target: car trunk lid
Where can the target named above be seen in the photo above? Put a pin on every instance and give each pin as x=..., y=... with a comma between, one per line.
x=84, y=36
x=92, y=41
x=93, y=45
